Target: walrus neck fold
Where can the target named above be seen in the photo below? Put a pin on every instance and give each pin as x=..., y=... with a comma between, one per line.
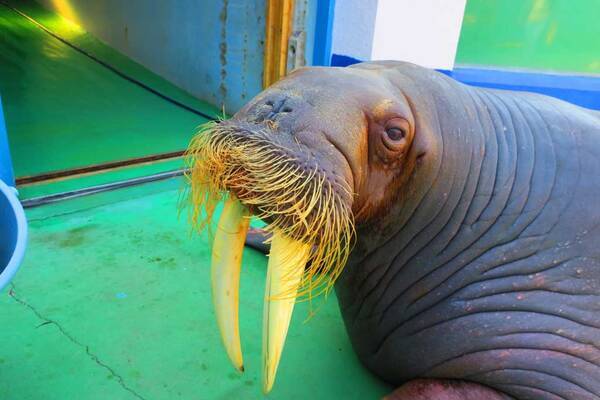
x=451, y=183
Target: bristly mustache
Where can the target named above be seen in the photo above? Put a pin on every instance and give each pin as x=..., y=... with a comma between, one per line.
x=291, y=195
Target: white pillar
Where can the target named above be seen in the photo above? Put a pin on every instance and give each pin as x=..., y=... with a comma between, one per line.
x=424, y=32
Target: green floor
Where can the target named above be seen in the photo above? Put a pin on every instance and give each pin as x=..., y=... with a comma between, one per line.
x=113, y=302
x=63, y=110
x=113, y=298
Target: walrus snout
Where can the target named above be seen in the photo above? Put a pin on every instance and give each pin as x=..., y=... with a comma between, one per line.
x=310, y=151
x=292, y=127
x=291, y=181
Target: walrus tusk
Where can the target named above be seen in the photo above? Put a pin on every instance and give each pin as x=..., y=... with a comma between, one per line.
x=287, y=261
x=228, y=247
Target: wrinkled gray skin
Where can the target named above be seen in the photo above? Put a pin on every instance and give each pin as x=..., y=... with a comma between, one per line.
x=482, y=262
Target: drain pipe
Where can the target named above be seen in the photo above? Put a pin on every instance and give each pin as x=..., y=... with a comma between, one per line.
x=13, y=224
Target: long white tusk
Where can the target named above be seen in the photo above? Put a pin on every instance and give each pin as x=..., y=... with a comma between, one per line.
x=228, y=247
x=287, y=261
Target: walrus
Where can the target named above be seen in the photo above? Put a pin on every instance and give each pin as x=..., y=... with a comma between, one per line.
x=458, y=226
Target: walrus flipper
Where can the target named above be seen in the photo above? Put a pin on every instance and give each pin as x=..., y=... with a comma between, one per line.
x=442, y=389
x=257, y=238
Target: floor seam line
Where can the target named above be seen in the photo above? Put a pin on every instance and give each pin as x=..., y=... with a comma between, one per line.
x=92, y=356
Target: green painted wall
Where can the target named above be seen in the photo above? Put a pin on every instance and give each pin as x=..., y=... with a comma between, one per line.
x=555, y=35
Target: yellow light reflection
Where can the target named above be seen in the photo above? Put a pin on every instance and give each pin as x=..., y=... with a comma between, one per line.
x=65, y=9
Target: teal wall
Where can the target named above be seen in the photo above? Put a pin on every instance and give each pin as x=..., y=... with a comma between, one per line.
x=551, y=35
x=211, y=49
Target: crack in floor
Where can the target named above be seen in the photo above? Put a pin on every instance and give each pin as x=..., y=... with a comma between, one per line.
x=92, y=356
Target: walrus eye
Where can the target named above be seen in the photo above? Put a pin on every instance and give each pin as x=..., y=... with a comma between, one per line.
x=395, y=134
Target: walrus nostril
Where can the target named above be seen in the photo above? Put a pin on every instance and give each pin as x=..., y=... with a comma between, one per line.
x=278, y=106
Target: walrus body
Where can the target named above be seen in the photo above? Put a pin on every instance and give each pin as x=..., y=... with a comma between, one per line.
x=477, y=251
x=487, y=266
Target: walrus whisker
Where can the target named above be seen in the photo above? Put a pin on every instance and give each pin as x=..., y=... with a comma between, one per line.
x=290, y=196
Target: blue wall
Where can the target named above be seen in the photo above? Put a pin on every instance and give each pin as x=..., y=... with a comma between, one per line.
x=6, y=171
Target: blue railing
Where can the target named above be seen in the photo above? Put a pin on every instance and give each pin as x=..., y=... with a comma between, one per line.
x=6, y=170
x=583, y=90
x=323, y=32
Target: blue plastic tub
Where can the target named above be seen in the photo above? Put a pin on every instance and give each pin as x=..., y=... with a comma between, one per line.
x=13, y=234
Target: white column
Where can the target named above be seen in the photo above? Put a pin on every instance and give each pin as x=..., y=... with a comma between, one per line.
x=353, y=24
x=424, y=32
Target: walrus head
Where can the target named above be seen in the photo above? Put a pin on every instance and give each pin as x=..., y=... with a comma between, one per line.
x=315, y=155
